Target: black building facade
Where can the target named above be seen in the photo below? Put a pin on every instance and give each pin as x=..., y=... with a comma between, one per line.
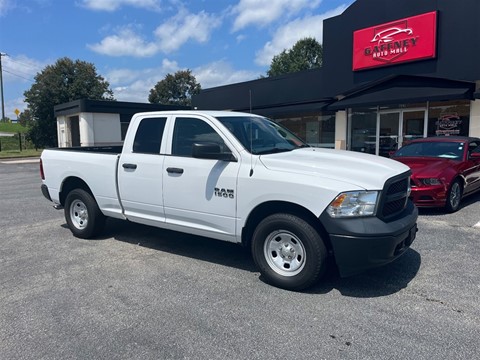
x=392, y=71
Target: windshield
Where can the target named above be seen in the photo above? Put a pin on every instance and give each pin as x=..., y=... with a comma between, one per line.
x=448, y=150
x=260, y=135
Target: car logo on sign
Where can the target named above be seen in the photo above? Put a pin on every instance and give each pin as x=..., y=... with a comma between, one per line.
x=391, y=42
x=389, y=35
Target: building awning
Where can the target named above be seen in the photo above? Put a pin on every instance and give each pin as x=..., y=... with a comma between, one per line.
x=404, y=89
x=293, y=109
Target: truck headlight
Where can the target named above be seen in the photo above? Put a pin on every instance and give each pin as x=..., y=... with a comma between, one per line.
x=353, y=204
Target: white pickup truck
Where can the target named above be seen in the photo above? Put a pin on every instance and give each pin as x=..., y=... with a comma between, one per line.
x=241, y=178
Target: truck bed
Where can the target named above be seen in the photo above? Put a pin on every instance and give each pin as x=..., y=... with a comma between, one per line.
x=96, y=166
x=116, y=149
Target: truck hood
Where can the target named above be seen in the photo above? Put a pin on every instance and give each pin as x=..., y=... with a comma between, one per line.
x=361, y=170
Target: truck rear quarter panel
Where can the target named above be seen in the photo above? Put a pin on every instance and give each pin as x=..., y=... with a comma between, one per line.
x=97, y=170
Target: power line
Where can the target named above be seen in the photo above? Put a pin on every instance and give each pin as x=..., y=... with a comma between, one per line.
x=18, y=70
x=36, y=68
x=11, y=73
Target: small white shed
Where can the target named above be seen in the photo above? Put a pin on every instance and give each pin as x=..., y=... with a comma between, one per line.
x=98, y=122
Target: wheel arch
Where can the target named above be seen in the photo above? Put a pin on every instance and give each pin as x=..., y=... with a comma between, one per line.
x=265, y=209
x=71, y=183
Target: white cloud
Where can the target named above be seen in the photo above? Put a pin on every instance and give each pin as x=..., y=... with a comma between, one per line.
x=125, y=43
x=185, y=26
x=5, y=6
x=263, y=12
x=221, y=73
x=135, y=85
x=19, y=72
x=112, y=5
x=169, y=36
x=285, y=37
x=21, y=68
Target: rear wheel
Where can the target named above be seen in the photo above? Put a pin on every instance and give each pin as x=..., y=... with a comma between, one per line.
x=82, y=214
x=454, y=196
x=289, y=252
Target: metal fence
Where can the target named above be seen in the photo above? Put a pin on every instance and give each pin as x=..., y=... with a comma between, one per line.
x=15, y=142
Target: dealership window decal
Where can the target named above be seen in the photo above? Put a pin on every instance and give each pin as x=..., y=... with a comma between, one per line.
x=408, y=39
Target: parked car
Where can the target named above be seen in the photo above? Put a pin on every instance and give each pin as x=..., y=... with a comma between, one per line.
x=444, y=170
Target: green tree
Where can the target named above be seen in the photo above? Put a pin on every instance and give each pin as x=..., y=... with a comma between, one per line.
x=25, y=118
x=65, y=81
x=176, y=89
x=305, y=54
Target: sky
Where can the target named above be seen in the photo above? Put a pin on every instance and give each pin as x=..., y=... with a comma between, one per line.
x=134, y=44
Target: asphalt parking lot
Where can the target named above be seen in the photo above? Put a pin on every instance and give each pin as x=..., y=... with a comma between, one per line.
x=145, y=293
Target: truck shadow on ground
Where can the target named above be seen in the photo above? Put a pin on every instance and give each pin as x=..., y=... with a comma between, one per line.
x=377, y=282
x=382, y=281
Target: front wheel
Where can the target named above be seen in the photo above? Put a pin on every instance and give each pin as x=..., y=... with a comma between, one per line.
x=454, y=196
x=82, y=214
x=289, y=252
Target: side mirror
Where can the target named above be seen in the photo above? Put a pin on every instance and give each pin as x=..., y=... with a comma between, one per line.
x=475, y=156
x=211, y=151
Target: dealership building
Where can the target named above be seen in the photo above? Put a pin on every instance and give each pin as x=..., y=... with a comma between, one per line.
x=392, y=71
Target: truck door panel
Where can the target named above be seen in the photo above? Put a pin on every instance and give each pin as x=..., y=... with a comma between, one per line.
x=199, y=193
x=140, y=174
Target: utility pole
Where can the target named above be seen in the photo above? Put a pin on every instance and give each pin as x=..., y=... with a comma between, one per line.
x=1, y=86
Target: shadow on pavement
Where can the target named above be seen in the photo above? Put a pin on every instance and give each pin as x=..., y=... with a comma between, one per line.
x=381, y=281
x=467, y=201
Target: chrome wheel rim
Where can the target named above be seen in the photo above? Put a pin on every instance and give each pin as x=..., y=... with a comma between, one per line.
x=79, y=214
x=455, y=194
x=284, y=253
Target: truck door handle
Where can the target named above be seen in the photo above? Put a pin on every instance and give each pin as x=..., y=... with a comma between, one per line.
x=173, y=170
x=129, y=166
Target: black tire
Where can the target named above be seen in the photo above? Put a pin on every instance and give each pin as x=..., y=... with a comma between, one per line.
x=454, y=196
x=82, y=214
x=289, y=252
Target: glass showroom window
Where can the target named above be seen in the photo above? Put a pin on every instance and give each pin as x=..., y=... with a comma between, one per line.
x=363, y=130
x=449, y=118
x=317, y=130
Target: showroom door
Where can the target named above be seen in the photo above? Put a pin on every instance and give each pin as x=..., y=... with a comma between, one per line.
x=395, y=128
x=388, y=130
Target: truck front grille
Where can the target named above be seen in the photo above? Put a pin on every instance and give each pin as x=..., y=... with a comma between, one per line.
x=394, y=196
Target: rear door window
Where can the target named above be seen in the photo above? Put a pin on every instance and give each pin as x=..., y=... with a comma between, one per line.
x=148, y=138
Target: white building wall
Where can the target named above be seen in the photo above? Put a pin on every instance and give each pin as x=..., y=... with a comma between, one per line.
x=107, y=129
x=62, y=131
x=97, y=129
x=475, y=115
x=341, y=130
x=87, y=134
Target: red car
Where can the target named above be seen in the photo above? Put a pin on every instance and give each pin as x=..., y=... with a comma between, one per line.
x=444, y=170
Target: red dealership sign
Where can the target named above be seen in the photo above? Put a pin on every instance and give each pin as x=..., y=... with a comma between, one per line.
x=408, y=39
